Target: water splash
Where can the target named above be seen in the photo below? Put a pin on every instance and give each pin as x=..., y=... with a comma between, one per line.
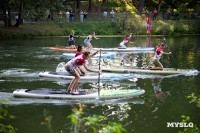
x=61, y=67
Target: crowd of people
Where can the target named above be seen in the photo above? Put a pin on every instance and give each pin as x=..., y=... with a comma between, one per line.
x=83, y=15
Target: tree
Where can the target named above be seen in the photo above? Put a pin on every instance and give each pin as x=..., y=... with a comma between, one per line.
x=98, y=8
x=141, y=5
x=90, y=5
x=5, y=6
x=79, y=4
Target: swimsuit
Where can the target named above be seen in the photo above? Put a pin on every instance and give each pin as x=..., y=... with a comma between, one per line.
x=75, y=62
x=122, y=44
x=157, y=57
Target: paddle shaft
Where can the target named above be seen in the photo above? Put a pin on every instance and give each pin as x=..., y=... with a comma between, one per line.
x=170, y=54
x=99, y=74
x=135, y=42
x=77, y=39
x=95, y=41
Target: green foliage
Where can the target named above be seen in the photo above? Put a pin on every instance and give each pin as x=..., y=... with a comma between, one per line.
x=186, y=119
x=5, y=118
x=194, y=99
x=47, y=121
x=93, y=123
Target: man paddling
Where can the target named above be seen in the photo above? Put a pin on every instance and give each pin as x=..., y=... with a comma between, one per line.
x=126, y=40
x=159, y=52
x=72, y=65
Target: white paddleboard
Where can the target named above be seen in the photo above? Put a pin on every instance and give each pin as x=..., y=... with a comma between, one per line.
x=128, y=49
x=165, y=71
x=109, y=55
x=88, y=76
x=86, y=94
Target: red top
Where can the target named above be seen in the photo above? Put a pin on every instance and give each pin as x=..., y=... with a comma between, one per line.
x=78, y=53
x=158, y=53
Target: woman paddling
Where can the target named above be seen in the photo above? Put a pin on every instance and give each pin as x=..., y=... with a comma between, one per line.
x=79, y=69
x=71, y=66
x=126, y=40
x=159, y=52
x=88, y=39
x=71, y=40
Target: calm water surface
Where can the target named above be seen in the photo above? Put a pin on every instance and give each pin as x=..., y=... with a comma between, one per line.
x=22, y=59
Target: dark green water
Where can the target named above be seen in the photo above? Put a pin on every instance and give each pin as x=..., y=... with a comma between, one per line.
x=22, y=59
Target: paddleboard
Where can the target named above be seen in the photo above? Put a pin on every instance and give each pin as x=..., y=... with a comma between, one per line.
x=88, y=76
x=109, y=55
x=83, y=94
x=165, y=71
x=128, y=49
x=64, y=49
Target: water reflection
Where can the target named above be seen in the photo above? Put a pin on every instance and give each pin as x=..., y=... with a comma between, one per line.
x=156, y=83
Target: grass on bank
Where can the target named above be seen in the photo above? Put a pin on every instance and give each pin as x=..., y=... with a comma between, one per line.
x=59, y=29
x=158, y=27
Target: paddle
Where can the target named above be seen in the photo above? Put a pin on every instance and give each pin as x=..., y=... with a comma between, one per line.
x=95, y=41
x=77, y=39
x=99, y=74
x=169, y=51
x=135, y=42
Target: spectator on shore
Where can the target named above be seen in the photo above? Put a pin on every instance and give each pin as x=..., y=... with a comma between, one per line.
x=176, y=14
x=155, y=12
x=143, y=13
x=16, y=18
x=7, y=14
x=71, y=16
x=168, y=13
x=85, y=16
x=105, y=14
x=67, y=16
x=81, y=16
x=27, y=17
x=60, y=15
x=48, y=15
x=112, y=15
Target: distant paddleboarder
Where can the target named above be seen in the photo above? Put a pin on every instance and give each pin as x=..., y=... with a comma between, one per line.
x=88, y=39
x=71, y=40
x=126, y=40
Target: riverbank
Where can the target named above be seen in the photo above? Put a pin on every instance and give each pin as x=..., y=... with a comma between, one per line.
x=32, y=30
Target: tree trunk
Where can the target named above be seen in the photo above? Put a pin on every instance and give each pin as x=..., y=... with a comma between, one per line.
x=19, y=15
x=90, y=5
x=159, y=5
x=9, y=18
x=79, y=4
x=5, y=19
x=107, y=4
x=98, y=8
x=141, y=5
x=75, y=6
x=133, y=2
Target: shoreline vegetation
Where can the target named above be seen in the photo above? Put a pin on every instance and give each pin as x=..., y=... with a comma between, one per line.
x=125, y=22
x=159, y=27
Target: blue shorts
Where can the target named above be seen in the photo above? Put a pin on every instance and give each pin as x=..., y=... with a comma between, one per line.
x=86, y=41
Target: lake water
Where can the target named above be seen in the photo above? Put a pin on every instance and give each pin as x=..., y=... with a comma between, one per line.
x=22, y=59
